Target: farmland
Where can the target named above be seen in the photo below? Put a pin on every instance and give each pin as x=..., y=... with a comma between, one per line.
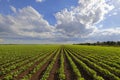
x=59, y=62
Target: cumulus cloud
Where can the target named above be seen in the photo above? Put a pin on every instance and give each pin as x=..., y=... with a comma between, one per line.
x=116, y=4
x=39, y=0
x=26, y=22
x=1, y=40
x=79, y=21
x=115, y=13
x=111, y=34
x=74, y=24
x=13, y=9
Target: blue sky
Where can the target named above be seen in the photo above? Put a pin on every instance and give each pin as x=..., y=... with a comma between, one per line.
x=47, y=8
x=59, y=21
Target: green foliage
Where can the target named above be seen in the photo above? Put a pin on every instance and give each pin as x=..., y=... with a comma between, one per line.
x=16, y=59
x=97, y=62
x=61, y=70
x=87, y=54
x=49, y=68
x=74, y=67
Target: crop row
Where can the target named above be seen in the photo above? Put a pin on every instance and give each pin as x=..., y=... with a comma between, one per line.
x=101, y=71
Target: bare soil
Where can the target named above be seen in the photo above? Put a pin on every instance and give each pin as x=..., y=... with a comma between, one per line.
x=82, y=71
x=21, y=75
x=68, y=69
x=54, y=72
x=38, y=75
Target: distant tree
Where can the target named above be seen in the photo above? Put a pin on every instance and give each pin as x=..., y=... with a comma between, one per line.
x=107, y=43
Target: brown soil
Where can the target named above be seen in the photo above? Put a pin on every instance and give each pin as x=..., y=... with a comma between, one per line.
x=21, y=75
x=98, y=73
x=40, y=72
x=1, y=64
x=54, y=72
x=82, y=71
x=15, y=62
x=68, y=69
x=1, y=77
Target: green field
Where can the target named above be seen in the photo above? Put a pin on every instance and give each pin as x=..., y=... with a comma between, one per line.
x=59, y=62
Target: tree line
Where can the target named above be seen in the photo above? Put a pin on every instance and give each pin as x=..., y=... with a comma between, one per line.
x=105, y=43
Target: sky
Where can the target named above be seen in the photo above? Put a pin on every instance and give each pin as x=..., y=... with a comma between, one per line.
x=59, y=21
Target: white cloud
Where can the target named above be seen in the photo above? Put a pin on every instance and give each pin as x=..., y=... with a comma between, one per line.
x=39, y=0
x=115, y=13
x=108, y=32
x=13, y=9
x=79, y=21
x=26, y=22
x=100, y=26
x=116, y=4
x=1, y=40
x=106, y=35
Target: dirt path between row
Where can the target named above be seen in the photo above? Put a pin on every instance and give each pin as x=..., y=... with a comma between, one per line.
x=54, y=72
x=82, y=71
x=38, y=75
x=68, y=70
x=1, y=77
